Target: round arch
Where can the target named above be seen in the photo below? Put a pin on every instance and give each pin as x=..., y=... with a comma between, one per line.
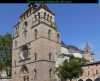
x=97, y=79
x=88, y=80
x=80, y=80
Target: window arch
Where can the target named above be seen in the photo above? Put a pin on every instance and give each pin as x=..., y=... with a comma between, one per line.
x=49, y=56
x=36, y=32
x=35, y=17
x=44, y=15
x=96, y=71
x=80, y=80
x=49, y=34
x=35, y=56
x=39, y=15
x=88, y=80
x=58, y=37
x=48, y=17
x=50, y=73
x=35, y=74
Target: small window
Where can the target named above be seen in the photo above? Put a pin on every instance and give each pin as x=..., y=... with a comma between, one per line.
x=49, y=34
x=35, y=17
x=50, y=73
x=48, y=17
x=35, y=33
x=49, y=56
x=35, y=56
x=58, y=37
x=25, y=23
x=96, y=71
x=39, y=15
x=35, y=74
x=88, y=73
x=44, y=15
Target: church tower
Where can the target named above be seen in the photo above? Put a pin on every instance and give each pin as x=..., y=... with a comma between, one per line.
x=88, y=55
x=36, y=41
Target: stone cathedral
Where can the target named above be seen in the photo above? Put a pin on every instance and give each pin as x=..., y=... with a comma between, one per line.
x=38, y=49
x=35, y=45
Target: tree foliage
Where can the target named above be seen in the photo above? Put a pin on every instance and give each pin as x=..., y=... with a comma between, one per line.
x=5, y=53
x=71, y=69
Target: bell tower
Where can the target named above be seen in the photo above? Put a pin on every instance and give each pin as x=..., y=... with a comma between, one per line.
x=88, y=55
x=36, y=41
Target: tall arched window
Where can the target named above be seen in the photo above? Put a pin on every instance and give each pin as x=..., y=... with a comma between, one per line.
x=44, y=15
x=50, y=73
x=35, y=17
x=48, y=17
x=39, y=15
x=58, y=37
x=35, y=56
x=35, y=74
x=80, y=80
x=35, y=33
x=49, y=56
x=88, y=80
x=49, y=34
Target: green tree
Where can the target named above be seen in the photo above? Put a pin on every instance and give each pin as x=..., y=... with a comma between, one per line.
x=70, y=69
x=5, y=53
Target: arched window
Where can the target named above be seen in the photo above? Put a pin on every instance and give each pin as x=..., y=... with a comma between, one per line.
x=35, y=56
x=49, y=34
x=49, y=56
x=80, y=80
x=48, y=17
x=96, y=71
x=44, y=15
x=35, y=33
x=35, y=74
x=88, y=80
x=35, y=17
x=25, y=23
x=88, y=73
x=50, y=73
x=39, y=15
x=58, y=37
x=24, y=51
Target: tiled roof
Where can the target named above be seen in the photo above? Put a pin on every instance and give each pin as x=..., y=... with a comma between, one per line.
x=71, y=48
x=92, y=63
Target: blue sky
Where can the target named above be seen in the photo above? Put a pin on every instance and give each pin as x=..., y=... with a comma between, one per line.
x=78, y=23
